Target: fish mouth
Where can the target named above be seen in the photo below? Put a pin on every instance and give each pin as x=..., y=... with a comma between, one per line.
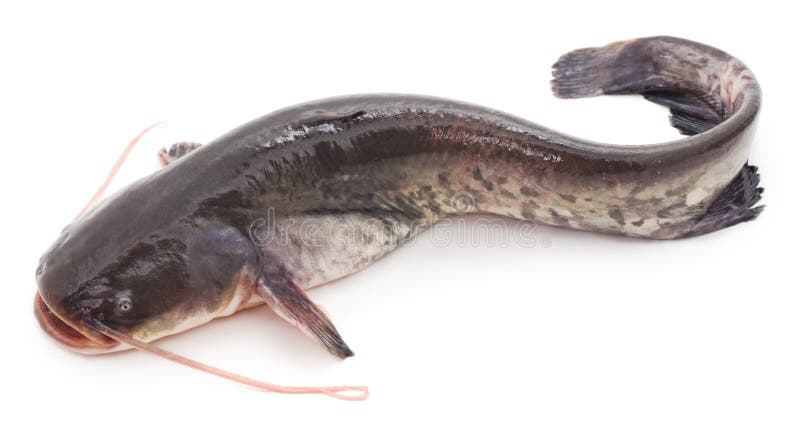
x=68, y=334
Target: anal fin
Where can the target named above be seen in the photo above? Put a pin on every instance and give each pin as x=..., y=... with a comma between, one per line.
x=735, y=204
x=292, y=304
x=690, y=114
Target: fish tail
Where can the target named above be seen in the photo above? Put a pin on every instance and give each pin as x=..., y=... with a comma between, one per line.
x=701, y=85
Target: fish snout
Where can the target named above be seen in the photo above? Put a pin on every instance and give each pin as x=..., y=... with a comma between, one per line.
x=53, y=288
x=59, y=319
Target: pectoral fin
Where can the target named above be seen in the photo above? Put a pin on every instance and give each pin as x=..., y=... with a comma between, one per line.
x=289, y=301
x=176, y=151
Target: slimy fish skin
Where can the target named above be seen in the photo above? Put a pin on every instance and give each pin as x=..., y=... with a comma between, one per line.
x=220, y=227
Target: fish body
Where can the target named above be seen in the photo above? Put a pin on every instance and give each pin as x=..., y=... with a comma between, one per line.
x=317, y=191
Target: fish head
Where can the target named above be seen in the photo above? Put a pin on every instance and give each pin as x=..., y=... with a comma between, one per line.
x=157, y=282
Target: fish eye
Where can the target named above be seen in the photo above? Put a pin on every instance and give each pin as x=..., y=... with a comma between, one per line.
x=124, y=304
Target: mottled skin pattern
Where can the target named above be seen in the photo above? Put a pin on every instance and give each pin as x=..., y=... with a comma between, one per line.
x=197, y=239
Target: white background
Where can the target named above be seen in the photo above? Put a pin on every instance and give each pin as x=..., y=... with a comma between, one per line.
x=591, y=335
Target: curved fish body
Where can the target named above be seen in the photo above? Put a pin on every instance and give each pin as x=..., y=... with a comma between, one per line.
x=320, y=190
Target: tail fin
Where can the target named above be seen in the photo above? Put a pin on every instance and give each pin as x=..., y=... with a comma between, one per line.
x=702, y=86
x=682, y=75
